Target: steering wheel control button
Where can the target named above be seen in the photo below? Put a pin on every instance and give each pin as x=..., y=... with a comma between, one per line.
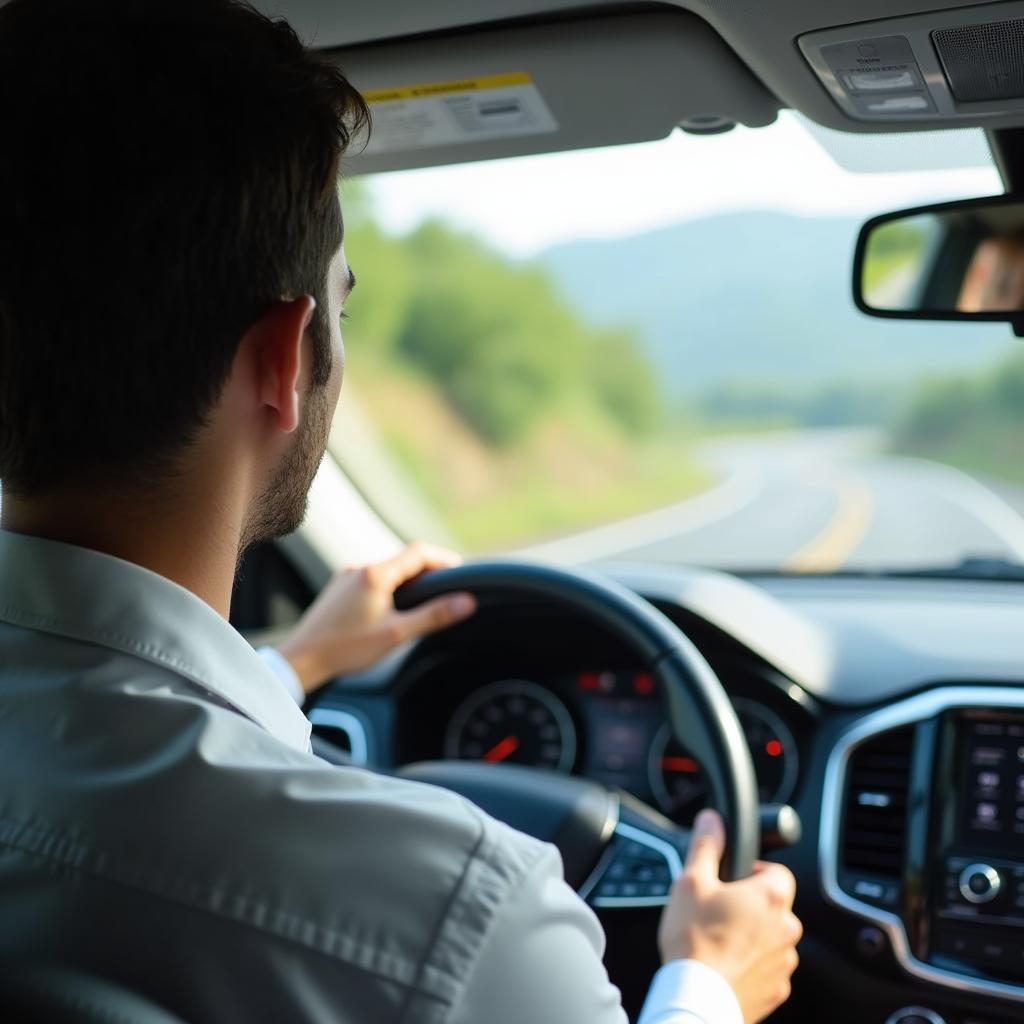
x=637, y=870
x=915, y=1015
x=638, y=851
x=979, y=883
x=634, y=871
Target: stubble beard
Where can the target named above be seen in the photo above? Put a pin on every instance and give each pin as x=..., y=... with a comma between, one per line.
x=281, y=508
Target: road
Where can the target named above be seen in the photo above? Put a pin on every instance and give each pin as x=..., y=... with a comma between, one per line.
x=816, y=501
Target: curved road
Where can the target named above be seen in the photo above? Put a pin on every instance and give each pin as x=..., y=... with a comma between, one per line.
x=816, y=501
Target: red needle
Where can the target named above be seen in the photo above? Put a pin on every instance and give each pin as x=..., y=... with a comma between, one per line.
x=504, y=748
x=680, y=764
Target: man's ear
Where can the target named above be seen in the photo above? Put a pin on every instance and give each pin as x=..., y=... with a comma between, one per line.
x=278, y=338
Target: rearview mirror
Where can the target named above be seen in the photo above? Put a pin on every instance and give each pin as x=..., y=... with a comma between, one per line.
x=953, y=261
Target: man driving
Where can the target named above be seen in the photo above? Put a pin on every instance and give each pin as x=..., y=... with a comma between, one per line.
x=172, y=279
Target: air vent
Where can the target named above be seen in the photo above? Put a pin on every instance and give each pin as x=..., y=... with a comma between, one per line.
x=875, y=806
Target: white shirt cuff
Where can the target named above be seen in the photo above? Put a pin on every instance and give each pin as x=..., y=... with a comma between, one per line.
x=282, y=668
x=689, y=992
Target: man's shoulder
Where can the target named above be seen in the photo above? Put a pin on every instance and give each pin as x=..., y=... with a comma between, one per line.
x=404, y=878
x=236, y=795
x=204, y=813
x=335, y=820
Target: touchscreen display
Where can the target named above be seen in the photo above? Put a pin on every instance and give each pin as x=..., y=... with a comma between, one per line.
x=992, y=810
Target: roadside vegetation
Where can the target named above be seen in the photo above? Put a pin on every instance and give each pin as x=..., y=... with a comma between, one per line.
x=516, y=419
x=895, y=248
x=974, y=421
x=738, y=406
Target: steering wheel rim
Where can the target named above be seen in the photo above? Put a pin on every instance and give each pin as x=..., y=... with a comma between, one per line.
x=700, y=714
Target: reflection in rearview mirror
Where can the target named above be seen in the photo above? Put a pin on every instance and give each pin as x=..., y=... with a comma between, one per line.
x=955, y=261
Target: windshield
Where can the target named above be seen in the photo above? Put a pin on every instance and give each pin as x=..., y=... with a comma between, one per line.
x=651, y=353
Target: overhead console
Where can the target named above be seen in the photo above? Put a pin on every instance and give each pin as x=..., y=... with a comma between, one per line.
x=965, y=65
x=923, y=833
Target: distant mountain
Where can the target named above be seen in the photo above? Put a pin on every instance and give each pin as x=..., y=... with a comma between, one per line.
x=757, y=298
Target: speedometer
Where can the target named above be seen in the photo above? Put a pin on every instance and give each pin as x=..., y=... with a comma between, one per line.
x=513, y=721
x=678, y=783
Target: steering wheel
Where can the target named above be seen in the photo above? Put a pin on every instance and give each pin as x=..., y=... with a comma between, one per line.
x=616, y=850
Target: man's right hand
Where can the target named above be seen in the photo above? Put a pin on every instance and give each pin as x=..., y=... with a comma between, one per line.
x=745, y=930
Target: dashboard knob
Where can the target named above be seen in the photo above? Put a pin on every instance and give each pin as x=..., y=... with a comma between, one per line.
x=980, y=883
x=915, y=1015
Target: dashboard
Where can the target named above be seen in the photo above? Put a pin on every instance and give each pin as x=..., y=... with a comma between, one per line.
x=888, y=713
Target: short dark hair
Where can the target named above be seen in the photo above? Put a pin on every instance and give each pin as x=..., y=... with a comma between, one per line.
x=168, y=170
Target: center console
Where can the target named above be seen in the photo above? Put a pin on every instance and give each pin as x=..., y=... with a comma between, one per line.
x=923, y=834
x=977, y=906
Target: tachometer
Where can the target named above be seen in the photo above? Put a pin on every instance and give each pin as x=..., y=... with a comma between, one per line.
x=513, y=721
x=678, y=784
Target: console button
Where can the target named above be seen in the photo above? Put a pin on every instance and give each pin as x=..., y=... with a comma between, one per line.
x=955, y=943
x=915, y=1015
x=995, y=952
x=871, y=941
x=979, y=883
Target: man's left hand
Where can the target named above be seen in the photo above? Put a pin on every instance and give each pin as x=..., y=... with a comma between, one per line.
x=354, y=622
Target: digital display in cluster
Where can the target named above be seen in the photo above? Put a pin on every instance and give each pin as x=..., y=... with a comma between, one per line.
x=993, y=795
x=624, y=712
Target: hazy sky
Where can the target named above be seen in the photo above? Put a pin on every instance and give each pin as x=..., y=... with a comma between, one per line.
x=526, y=204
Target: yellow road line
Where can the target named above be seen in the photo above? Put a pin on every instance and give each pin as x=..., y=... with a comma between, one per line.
x=833, y=546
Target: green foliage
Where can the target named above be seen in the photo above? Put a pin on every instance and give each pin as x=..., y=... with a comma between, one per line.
x=384, y=287
x=835, y=405
x=494, y=337
x=624, y=382
x=974, y=421
x=900, y=237
x=894, y=247
x=1007, y=385
x=943, y=408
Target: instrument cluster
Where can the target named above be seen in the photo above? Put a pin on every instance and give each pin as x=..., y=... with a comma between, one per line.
x=610, y=725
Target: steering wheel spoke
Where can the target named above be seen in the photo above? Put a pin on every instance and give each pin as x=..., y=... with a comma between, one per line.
x=636, y=870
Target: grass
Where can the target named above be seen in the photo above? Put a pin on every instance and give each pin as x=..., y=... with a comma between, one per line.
x=576, y=470
x=549, y=508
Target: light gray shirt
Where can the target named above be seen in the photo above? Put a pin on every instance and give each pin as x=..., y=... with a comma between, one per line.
x=163, y=824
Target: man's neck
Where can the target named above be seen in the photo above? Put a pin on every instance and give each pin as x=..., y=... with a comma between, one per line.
x=184, y=540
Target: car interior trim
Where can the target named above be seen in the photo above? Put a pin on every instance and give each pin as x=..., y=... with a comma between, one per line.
x=351, y=725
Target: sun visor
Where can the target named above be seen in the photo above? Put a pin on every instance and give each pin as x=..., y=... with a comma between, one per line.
x=546, y=87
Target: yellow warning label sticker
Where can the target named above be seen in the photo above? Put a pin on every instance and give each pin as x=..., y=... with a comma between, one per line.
x=485, y=109
x=415, y=92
